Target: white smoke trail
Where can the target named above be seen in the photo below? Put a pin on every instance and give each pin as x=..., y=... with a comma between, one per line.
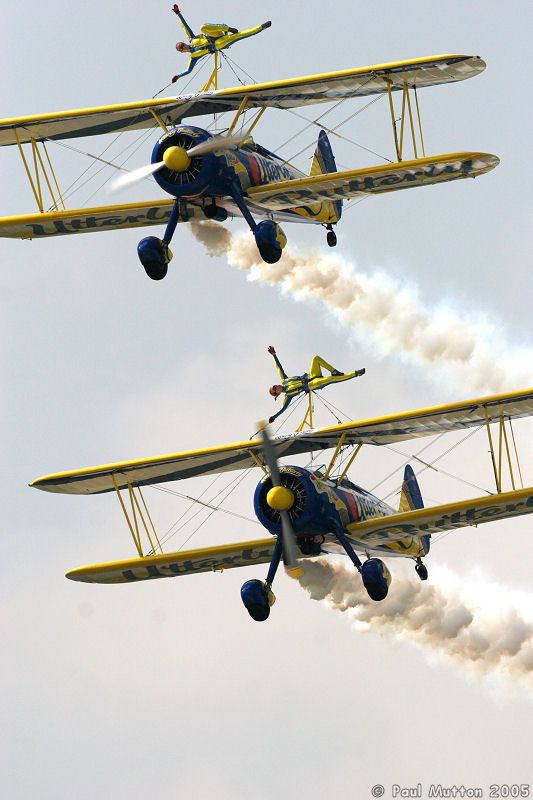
x=467, y=350
x=472, y=622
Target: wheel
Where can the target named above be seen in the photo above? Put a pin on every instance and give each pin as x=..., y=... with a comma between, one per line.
x=215, y=212
x=154, y=255
x=270, y=253
x=308, y=547
x=257, y=598
x=331, y=238
x=376, y=578
x=421, y=571
x=270, y=240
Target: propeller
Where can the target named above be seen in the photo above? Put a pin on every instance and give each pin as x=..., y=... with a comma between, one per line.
x=281, y=499
x=178, y=159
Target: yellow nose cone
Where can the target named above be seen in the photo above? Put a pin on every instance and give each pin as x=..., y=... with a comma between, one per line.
x=176, y=159
x=280, y=499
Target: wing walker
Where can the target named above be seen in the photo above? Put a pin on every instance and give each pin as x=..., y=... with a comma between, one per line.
x=218, y=172
x=309, y=511
x=210, y=176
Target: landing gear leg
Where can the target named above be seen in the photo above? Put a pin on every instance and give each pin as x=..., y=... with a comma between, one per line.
x=257, y=596
x=374, y=573
x=155, y=254
x=269, y=236
x=421, y=570
x=350, y=552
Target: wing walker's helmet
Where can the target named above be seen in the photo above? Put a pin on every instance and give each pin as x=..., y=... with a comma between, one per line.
x=275, y=390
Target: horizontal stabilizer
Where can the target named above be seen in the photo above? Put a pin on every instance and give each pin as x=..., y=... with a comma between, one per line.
x=184, y=562
x=243, y=455
x=447, y=517
x=372, y=180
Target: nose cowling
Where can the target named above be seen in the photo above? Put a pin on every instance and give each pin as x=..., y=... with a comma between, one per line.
x=298, y=497
x=183, y=175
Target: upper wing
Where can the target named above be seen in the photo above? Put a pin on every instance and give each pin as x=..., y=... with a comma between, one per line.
x=322, y=88
x=445, y=517
x=243, y=455
x=372, y=180
x=93, y=121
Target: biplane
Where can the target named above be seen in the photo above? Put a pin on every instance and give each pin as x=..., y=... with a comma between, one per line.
x=310, y=511
x=218, y=176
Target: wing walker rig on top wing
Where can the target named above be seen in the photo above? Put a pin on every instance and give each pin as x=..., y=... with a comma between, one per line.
x=225, y=175
x=309, y=511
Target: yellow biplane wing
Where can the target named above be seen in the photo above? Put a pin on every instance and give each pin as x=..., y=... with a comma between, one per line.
x=371, y=180
x=184, y=562
x=447, y=517
x=93, y=220
x=85, y=220
x=290, y=93
x=244, y=455
x=370, y=534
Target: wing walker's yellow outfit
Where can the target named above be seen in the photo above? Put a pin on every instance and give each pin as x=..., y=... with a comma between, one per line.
x=310, y=381
x=212, y=38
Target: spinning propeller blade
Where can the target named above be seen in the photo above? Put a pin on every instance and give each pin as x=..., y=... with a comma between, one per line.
x=290, y=549
x=217, y=143
x=135, y=176
x=182, y=157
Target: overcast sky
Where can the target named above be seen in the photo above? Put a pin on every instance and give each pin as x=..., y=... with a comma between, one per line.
x=168, y=689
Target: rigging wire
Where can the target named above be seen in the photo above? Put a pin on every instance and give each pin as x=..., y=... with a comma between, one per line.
x=431, y=464
x=98, y=158
x=140, y=143
x=238, y=66
x=205, y=504
x=224, y=56
x=335, y=129
x=209, y=505
x=416, y=457
x=232, y=486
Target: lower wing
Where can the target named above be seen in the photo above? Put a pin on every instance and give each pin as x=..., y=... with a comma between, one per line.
x=184, y=562
x=91, y=220
x=372, y=180
x=444, y=517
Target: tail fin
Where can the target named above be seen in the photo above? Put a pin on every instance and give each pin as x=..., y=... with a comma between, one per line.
x=410, y=498
x=324, y=162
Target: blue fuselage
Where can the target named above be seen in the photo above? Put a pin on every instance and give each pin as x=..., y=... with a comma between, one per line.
x=321, y=507
x=215, y=174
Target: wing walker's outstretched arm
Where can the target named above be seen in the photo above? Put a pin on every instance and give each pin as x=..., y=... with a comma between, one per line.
x=192, y=63
x=189, y=32
x=287, y=399
x=280, y=369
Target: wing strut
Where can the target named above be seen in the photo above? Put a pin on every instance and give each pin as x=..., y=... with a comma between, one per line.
x=502, y=440
x=133, y=521
x=406, y=104
x=38, y=167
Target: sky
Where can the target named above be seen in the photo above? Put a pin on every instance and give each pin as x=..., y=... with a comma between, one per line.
x=168, y=688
